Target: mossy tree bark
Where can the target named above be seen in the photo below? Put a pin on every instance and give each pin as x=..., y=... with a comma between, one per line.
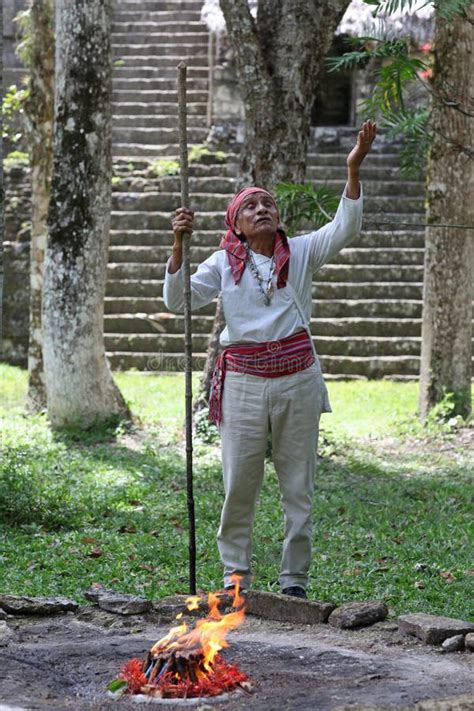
x=80, y=388
x=37, y=53
x=278, y=56
x=447, y=300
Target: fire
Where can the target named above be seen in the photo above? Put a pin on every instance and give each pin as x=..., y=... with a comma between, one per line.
x=186, y=661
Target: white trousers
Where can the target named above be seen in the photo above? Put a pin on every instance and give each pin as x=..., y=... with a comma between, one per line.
x=290, y=407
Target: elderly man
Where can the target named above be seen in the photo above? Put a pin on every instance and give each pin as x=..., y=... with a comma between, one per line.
x=268, y=377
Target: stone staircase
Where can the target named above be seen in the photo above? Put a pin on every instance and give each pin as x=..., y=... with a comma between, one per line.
x=367, y=303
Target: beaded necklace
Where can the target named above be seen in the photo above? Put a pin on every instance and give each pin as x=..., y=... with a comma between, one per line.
x=268, y=290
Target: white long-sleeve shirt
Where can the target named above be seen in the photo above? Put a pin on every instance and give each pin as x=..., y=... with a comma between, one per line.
x=248, y=318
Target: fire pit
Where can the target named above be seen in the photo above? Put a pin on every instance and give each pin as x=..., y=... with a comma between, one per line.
x=186, y=663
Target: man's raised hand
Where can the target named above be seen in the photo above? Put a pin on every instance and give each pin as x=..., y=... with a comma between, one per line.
x=365, y=139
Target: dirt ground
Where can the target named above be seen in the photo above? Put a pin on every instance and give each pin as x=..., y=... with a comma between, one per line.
x=65, y=662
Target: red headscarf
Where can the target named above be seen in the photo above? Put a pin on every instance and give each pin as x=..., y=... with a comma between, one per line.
x=235, y=248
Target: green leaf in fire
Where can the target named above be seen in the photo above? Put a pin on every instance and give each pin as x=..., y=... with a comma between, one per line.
x=117, y=685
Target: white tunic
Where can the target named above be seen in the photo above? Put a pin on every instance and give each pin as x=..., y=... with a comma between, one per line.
x=248, y=318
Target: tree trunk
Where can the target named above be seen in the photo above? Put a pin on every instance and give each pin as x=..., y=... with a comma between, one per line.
x=279, y=57
x=37, y=53
x=80, y=387
x=447, y=300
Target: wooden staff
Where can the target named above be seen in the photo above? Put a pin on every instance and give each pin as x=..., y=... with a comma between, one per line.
x=188, y=346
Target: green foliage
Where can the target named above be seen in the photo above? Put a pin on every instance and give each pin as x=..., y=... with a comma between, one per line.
x=445, y=9
x=197, y=152
x=164, y=166
x=42, y=487
x=12, y=106
x=396, y=69
x=114, y=511
x=412, y=124
x=302, y=203
x=119, y=63
x=16, y=158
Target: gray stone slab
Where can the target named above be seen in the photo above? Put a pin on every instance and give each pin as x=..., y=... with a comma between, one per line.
x=6, y=634
x=23, y=605
x=123, y=604
x=283, y=608
x=453, y=644
x=358, y=614
x=433, y=629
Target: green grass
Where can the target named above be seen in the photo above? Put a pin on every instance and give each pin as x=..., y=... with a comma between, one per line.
x=392, y=512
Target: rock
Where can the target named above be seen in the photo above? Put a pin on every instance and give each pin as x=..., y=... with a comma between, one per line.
x=432, y=629
x=358, y=614
x=453, y=644
x=6, y=634
x=282, y=608
x=3, y=614
x=92, y=593
x=23, y=605
x=469, y=641
x=123, y=604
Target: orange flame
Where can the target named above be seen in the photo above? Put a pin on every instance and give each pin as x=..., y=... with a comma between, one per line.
x=208, y=637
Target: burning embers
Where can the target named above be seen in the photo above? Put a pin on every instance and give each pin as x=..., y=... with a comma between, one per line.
x=186, y=662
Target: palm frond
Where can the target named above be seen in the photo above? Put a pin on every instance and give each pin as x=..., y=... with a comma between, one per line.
x=299, y=204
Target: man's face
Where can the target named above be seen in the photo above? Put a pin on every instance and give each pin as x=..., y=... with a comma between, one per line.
x=257, y=217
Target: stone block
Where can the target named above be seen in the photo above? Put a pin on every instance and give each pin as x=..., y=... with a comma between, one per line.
x=282, y=608
x=6, y=634
x=123, y=604
x=453, y=644
x=469, y=641
x=23, y=605
x=358, y=614
x=433, y=629
x=116, y=602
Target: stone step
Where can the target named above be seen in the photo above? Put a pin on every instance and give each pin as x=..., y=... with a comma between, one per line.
x=155, y=121
x=349, y=273
x=321, y=308
x=134, y=38
x=383, y=258
x=158, y=6
x=167, y=96
x=380, y=188
x=156, y=84
x=321, y=290
x=160, y=220
x=165, y=135
x=399, y=367
x=165, y=322
x=158, y=16
x=142, y=107
x=168, y=73
x=326, y=345
x=194, y=51
x=165, y=61
x=209, y=239
x=127, y=30
x=334, y=158
x=217, y=203
x=372, y=367
x=339, y=172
